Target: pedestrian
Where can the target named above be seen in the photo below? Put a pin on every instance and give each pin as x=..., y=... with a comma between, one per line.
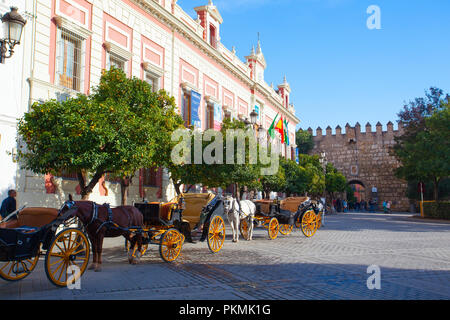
x=384, y=206
x=371, y=205
x=388, y=206
x=344, y=205
x=9, y=205
x=338, y=205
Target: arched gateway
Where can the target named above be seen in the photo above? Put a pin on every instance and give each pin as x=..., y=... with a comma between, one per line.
x=365, y=160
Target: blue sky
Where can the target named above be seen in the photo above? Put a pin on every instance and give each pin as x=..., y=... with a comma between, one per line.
x=340, y=71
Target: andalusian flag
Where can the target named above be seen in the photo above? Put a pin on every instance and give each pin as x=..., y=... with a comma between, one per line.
x=286, y=131
x=271, y=130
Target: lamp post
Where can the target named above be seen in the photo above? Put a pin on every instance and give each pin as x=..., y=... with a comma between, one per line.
x=13, y=24
x=323, y=162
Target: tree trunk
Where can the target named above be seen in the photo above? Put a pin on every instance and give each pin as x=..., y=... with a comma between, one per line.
x=177, y=188
x=86, y=190
x=124, y=185
x=436, y=189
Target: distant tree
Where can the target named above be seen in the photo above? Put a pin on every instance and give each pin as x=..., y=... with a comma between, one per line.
x=335, y=181
x=423, y=150
x=273, y=183
x=304, y=141
x=219, y=174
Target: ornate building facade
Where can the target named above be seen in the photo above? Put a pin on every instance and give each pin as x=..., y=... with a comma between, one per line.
x=72, y=41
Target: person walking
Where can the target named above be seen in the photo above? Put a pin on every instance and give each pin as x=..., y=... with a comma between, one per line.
x=371, y=205
x=384, y=206
x=344, y=205
x=339, y=205
x=9, y=205
x=388, y=206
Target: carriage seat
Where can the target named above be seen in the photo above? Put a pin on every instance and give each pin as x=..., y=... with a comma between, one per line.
x=194, y=203
x=292, y=203
x=165, y=211
x=263, y=206
x=31, y=217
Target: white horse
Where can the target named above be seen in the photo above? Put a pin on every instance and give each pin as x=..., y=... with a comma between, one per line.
x=247, y=211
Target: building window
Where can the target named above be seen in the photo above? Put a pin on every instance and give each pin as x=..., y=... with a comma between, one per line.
x=212, y=36
x=66, y=174
x=150, y=177
x=116, y=62
x=153, y=81
x=209, y=116
x=186, y=110
x=69, y=51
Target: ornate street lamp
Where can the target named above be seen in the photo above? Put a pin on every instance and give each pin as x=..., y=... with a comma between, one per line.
x=13, y=24
x=253, y=117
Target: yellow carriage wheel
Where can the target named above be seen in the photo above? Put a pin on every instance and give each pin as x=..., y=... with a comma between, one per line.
x=18, y=269
x=273, y=228
x=216, y=234
x=309, y=223
x=286, y=229
x=170, y=245
x=243, y=228
x=70, y=248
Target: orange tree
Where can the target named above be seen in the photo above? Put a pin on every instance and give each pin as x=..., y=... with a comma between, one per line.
x=219, y=172
x=102, y=133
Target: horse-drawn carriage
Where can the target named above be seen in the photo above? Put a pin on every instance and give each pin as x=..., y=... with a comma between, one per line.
x=169, y=224
x=300, y=212
x=28, y=233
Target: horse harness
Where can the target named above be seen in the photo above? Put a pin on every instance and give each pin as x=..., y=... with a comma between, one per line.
x=110, y=224
x=242, y=214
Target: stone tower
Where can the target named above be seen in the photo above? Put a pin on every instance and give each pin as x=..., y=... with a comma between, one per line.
x=364, y=158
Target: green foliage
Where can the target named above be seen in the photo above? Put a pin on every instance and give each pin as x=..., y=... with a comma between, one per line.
x=413, y=192
x=424, y=150
x=350, y=194
x=274, y=183
x=304, y=141
x=334, y=180
x=438, y=210
x=218, y=174
x=122, y=127
x=306, y=177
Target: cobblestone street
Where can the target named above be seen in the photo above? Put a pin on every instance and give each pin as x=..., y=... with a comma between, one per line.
x=413, y=256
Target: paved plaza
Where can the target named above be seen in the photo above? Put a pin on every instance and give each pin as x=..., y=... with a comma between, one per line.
x=413, y=257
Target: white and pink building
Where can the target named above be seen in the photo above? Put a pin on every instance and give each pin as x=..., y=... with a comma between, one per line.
x=71, y=41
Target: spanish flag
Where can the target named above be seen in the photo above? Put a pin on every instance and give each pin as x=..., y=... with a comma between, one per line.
x=280, y=128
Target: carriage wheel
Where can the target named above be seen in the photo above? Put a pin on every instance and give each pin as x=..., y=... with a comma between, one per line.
x=18, y=269
x=170, y=245
x=69, y=248
x=286, y=229
x=243, y=228
x=309, y=223
x=273, y=228
x=216, y=234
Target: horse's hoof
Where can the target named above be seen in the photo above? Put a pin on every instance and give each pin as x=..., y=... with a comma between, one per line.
x=98, y=269
x=93, y=266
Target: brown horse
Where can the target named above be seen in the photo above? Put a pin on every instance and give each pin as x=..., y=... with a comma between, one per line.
x=100, y=221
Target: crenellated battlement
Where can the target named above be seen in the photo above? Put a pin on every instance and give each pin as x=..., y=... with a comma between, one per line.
x=355, y=131
x=364, y=156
